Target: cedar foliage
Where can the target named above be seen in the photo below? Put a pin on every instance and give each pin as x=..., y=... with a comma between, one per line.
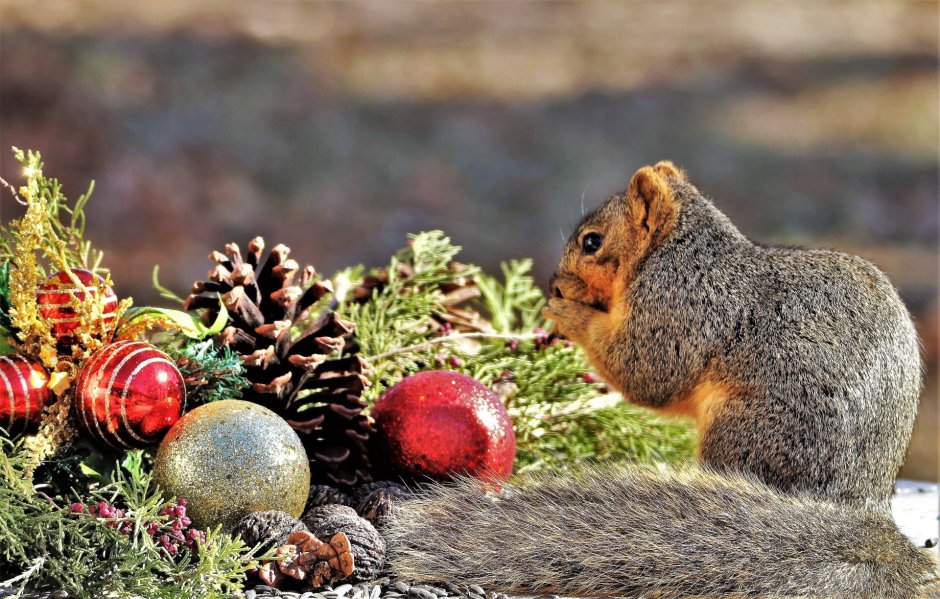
x=46, y=544
x=560, y=413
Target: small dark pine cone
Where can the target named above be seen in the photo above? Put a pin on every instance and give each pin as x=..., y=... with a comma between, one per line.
x=318, y=513
x=366, y=489
x=271, y=528
x=367, y=545
x=376, y=507
x=327, y=495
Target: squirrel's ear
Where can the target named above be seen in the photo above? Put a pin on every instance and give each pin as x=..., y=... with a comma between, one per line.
x=650, y=203
x=669, y=170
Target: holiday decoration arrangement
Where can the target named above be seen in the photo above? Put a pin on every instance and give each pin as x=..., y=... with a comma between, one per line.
x=256, y=429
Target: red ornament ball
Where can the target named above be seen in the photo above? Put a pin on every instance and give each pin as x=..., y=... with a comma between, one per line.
x=24, y=392
x=439, y=423
x=128, y=394
x=54, y=297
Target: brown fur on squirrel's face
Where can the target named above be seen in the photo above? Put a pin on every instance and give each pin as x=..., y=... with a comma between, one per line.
x=603, y=253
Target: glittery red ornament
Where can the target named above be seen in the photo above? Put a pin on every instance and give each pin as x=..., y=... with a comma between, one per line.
x=54, y=297
x=438, y=423
x=24, y=392
x=128, y=394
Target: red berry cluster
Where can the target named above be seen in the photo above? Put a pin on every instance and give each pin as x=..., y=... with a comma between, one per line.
x=102, y=509
x=176, y=531
x=171, y=534
x=544, y=339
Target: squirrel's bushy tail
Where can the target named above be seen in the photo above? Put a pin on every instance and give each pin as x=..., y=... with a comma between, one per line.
x=634, y=530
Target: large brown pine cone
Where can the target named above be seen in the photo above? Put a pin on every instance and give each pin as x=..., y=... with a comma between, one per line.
x=311, y=378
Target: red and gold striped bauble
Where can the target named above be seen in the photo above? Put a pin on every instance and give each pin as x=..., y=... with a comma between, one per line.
x=128, y=394
x=24, y=392
x=54, y=297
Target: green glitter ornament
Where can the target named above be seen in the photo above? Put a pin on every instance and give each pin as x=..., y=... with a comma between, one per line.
x=230, y=458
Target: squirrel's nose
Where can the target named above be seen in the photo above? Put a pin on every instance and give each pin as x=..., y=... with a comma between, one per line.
x=553, y=288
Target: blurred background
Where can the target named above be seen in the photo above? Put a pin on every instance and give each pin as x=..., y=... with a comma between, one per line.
x=337, y=128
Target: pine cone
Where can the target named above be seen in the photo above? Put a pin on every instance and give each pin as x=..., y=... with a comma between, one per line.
x=364, y=490
x=270, y=528
x=313, y=380
x=376, y=507
x=327, y=495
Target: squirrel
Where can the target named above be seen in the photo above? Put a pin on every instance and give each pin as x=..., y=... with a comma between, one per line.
x=802, y=371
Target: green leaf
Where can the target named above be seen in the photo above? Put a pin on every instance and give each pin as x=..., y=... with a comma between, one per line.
x=165, y=292
x=190, y=325
x=89, y=471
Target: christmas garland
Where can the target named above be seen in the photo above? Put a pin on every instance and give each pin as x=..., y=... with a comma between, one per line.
x=78, y=505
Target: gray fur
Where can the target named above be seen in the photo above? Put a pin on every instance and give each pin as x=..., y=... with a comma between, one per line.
x=819, y=342
x=636, y=531
x=825, y=369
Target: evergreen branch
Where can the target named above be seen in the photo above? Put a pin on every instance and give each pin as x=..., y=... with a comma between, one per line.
x=560, y=413
x=210, y=373
x=89, y=556
x=515, y=304
x=452, y=338
x=33, y=569
x=401, y=314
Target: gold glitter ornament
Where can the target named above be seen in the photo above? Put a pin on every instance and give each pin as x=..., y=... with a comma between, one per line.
x=230, y=458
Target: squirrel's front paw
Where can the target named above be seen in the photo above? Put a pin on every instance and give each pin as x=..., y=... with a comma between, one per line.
x=571, y=318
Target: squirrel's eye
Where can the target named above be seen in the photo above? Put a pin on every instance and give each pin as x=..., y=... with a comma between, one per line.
x=592, y=242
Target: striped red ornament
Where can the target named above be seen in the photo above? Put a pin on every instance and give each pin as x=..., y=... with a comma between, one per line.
x=24, y=392
x=128, y=394
x=54, y=297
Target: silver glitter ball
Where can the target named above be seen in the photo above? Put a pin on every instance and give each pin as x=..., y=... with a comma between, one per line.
x=230, y=458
